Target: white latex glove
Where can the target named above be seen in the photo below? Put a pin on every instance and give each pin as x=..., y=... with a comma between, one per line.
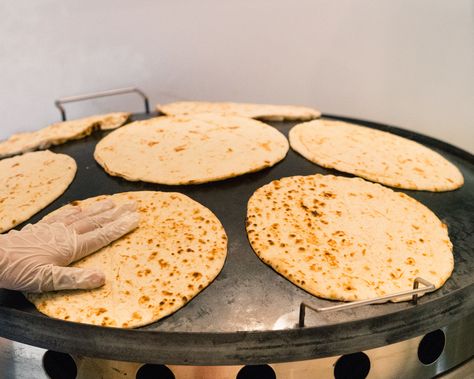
x=33, y=258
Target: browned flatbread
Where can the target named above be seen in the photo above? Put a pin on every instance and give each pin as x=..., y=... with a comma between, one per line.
x=30, y=182
x=267, y=112
x=374, y=155
x=177, y=250
x=191, y=149
x=346, y=238
x=60, y=133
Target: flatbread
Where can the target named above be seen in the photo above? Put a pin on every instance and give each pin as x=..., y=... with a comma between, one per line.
x=60, y=133
x=345, y=238
x=22, y=143
x=374, y=155
x=258, y=111
x=190, y=150
x=111, y=120
x=177, y=250
x=30, y=182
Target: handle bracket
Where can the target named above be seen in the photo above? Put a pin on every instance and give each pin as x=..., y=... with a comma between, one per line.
x=120, y=91
x=428, y=287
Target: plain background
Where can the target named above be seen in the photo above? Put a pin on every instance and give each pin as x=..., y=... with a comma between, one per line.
x=407, y=63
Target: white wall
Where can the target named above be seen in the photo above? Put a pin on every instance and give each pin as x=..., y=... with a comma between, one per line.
x=409, y=63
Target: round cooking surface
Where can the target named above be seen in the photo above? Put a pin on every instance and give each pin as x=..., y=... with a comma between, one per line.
x=249, y=313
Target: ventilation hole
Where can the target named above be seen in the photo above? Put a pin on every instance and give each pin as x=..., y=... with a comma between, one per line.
x=59, y=365
x=256, y=372
x=149, y=371
x=352, y=366
x=431, y=346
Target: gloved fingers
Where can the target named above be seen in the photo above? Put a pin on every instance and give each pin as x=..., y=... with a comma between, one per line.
x=64, y=214
x=53, y=278
x=71, y=216
x=97, y=207
x=70, y=278
x=89, y=223
x=89, y=242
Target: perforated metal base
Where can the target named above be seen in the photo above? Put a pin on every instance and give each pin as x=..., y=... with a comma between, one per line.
x=436, y=353
x=420, y=357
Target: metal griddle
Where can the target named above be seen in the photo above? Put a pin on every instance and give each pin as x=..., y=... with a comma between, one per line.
x=248, y=314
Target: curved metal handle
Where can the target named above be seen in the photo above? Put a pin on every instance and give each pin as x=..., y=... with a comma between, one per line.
x=428, y=287
x=59, y=103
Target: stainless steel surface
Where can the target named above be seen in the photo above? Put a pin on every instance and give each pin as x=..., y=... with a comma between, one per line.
x=395, y=361
x=120, y=91
x=381, y=299
x=20, y=361
x=464, y=371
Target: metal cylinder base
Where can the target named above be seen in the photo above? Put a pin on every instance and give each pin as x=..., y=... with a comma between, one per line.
x=421, y=357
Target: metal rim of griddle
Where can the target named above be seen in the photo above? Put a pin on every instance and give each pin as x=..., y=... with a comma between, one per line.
x=244, y=347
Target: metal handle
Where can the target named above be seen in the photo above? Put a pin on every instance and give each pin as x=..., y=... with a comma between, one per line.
x=59, y=103
x=428, y=287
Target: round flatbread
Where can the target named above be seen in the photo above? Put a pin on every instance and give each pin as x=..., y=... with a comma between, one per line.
x=190, y=150
x=30, y=182
x=60, y=133
x=374, y=155
x=258, y=111
x=346, y=238
x=177, y=250
x=21, y=143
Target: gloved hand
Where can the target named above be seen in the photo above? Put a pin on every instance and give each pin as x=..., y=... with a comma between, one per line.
x=33, y=258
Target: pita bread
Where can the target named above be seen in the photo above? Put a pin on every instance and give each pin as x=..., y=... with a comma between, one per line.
x=258, y=111
x=374, y=155
x=30, y=182
x=177, y=250
x=60, y=133
x=347, y=239
x=190, y=150
x=111, y=121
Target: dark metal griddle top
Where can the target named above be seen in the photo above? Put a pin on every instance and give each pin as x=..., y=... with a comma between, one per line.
x=248, y=314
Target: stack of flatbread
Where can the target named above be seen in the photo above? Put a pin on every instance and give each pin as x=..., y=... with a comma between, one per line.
x=190, y=149
x=374, y=155
x=257, y=111
x=177, y=250
x=346, y=238
x=60, y=132
x=30, y=182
